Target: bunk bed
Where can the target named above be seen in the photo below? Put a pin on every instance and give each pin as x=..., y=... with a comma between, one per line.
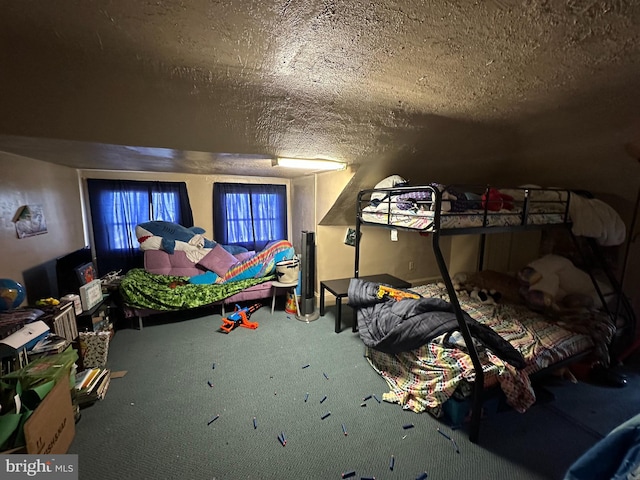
x=453, y=363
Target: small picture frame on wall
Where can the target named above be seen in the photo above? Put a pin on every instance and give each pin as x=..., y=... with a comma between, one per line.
x=350, y=237
x=30, y=221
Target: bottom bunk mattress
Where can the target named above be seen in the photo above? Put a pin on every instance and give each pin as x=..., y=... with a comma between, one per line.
x=143, y=290
x=423, y=379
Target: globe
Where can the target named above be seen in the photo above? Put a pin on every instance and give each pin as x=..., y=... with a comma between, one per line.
x=12, y=294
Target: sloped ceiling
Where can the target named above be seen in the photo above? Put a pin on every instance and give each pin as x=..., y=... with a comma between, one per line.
x=543, y=91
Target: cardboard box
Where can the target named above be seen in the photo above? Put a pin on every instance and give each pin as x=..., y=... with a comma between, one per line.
x=51, y=428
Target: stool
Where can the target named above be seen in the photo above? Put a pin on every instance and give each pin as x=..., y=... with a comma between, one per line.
x=292, y=286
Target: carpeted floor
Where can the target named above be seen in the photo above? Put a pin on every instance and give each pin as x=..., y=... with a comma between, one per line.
x=154, y=422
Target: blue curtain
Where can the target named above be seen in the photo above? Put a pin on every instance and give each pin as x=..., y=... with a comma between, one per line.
x=249, y=215
x=117, y=206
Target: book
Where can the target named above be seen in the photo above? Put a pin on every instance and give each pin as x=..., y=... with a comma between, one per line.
x=103, y=386
x=51, y=344
x=94, y=385
x=86, y=379
x=95, y=392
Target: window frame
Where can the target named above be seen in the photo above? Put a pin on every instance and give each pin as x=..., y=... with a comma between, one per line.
x=107, y=200
x=276, y=213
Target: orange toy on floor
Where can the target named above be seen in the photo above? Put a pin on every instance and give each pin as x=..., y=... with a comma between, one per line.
x=240, y=318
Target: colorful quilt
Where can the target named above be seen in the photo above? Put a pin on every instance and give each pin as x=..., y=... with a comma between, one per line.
x=425, y=378
x=261, y=264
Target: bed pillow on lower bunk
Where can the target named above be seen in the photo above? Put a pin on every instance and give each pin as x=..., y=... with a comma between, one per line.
x=553, y=281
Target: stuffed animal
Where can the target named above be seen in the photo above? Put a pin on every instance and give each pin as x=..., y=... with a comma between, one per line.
x=489, y=286
x=490, y=297
x=555, y=282
x=169, y=233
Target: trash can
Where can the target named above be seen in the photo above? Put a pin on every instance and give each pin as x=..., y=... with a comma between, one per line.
x=290, y=305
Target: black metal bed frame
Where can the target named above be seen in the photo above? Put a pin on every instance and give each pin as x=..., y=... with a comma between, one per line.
x=434, y=228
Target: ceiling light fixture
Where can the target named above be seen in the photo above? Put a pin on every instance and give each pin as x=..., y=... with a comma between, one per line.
x=308, y=163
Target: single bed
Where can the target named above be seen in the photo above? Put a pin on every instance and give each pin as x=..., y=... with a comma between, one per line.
x=214, y=277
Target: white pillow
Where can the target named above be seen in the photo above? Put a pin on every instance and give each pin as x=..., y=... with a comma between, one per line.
x=560, y=277
x=388, y=182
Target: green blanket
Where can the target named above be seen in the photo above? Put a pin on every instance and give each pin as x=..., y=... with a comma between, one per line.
x=140, y=289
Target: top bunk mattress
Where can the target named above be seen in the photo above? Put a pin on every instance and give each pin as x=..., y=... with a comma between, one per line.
x=439, y=207
x=473, y=218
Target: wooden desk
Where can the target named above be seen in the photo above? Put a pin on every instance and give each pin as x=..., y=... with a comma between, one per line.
x=340, y=287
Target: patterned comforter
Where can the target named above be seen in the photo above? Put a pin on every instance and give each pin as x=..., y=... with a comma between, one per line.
x=425, y=378
x=140, y=289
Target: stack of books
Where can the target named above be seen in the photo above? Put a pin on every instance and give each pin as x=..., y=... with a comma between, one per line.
x=49, y=345
x=91, y=385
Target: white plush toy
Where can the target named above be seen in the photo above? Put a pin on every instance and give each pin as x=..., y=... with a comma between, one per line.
x=556, y=282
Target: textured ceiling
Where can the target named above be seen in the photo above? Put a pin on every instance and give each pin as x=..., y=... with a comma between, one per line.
x=221, y=86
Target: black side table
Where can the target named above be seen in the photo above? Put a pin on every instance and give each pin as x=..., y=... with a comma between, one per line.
x=340, y=287
x=85, y=319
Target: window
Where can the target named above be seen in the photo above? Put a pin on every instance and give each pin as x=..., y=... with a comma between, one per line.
x=249, y=215
x=137, y=207
x=117, y=206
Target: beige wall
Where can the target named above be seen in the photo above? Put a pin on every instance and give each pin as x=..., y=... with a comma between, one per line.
x=378, y=253
x=31, y=260
x=303, y=213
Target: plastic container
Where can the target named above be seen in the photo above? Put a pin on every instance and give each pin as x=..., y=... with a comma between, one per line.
x=290, y=305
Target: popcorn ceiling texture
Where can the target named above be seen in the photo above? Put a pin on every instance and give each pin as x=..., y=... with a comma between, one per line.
x=534, y=90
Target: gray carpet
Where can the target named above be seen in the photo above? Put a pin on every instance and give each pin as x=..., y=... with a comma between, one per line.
x=609, y=406
x=153, y=422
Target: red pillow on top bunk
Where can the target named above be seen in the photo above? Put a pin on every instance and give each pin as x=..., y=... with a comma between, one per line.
x=495, y=200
